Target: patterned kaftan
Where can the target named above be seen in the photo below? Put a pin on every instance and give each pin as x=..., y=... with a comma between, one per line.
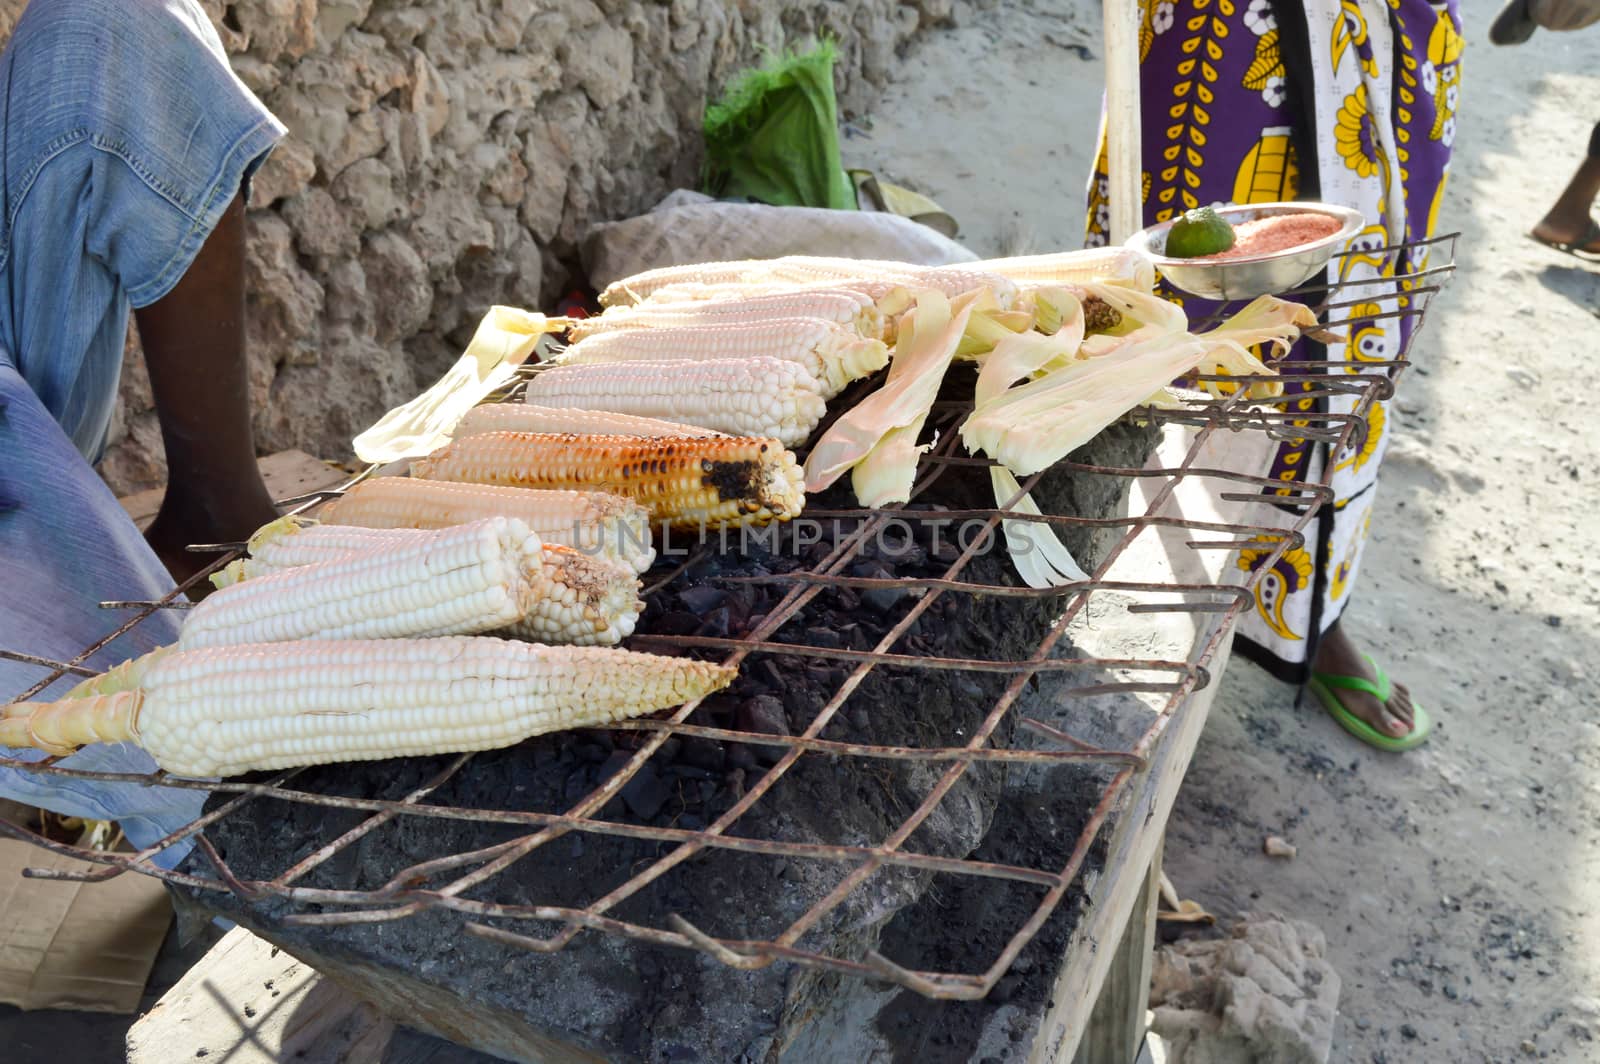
x=1351, y=103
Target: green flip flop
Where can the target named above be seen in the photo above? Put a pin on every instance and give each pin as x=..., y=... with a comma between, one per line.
x=1325, y=684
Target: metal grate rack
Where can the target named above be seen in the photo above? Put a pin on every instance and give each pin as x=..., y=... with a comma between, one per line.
x=466, y=880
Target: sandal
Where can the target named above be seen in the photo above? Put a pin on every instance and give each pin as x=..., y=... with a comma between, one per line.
x=1324, y=686
x=1586, y=247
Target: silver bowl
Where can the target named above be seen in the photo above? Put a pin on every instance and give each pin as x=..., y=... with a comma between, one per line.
x=1258, y=275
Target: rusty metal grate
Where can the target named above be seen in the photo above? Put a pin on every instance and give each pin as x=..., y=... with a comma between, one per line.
x=469, y=892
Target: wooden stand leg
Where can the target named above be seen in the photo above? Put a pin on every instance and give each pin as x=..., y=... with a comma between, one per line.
x=1116, y=1026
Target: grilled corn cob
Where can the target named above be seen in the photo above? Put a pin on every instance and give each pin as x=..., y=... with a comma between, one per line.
x=226, y=710
x=454, y=581
x=577, y=599
x=839, y=305
x=530, y=417
x=834, y=354
x=688, y=483
x=740, y=396
x=591, y=521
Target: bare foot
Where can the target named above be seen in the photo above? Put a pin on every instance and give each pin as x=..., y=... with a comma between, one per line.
x=1568, y=223
x=1562, y=233
x=1338, y=655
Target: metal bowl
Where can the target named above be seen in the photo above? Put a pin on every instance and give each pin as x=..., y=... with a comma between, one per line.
x=1258, y=275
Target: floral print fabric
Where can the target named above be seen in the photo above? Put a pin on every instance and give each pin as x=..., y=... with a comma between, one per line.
x=1374, y=85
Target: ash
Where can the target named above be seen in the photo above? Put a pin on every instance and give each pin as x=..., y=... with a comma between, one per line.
x=624, y=999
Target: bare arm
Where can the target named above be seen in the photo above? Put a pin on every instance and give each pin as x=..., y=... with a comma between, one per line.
x=194, y=344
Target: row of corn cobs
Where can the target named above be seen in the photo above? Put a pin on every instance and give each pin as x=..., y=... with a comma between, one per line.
x=356, y=637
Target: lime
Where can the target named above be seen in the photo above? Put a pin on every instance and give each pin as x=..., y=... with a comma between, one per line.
x=1199, y=232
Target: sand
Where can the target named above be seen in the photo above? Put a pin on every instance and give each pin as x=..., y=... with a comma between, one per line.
x=1458, y=886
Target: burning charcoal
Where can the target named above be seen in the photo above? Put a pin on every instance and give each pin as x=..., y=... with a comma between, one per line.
x=716, y=624
x=646, y=793
x=613, y=764
x=823, y=637
x=678, y=622
x=591, y=749
x=706, y=754
x=702, y=600
x=763, y=713
x=884, y=599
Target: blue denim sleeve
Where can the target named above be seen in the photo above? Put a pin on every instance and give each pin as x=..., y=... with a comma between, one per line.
x=125, y=137
x=66, y=545
x=178, y=135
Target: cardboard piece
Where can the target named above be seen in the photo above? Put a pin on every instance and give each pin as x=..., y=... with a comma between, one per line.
x=82, y=946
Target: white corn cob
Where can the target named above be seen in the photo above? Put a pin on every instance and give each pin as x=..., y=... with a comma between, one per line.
x=832, y=353
x=453, y=581
x=576, y=599
x=641, y=285
x=838, y=305
x=226, y=710
x=591, y=521
x=530, y=417
x=581, y=601
x=690, y=294
x=1106, y=265
x=871, y=277
x=740, y=396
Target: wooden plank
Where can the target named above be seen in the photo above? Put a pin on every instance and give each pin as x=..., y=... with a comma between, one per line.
x=287, y=474
x=247, y=1002
x=1160, y=554
x=1116, y=1026
x=1141, y=823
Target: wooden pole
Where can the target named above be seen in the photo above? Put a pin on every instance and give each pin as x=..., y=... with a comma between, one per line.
x=1121, y=18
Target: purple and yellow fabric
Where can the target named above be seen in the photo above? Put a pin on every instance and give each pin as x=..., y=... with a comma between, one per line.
x=1350, y=102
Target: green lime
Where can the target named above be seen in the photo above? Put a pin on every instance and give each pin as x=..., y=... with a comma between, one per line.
x=1199, y=232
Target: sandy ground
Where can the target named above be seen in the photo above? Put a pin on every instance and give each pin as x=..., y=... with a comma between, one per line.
x=1458, y=886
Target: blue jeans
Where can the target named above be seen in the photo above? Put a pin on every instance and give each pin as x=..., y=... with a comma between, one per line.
x=125, y=138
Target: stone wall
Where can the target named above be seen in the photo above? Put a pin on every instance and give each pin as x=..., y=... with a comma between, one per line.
x=447, y=154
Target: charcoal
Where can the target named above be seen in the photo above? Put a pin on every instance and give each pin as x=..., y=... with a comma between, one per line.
x=621, y=998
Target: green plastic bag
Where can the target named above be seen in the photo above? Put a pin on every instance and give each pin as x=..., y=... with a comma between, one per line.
x=774, y=137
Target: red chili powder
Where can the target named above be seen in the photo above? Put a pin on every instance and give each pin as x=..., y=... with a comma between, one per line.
x=1278, y=232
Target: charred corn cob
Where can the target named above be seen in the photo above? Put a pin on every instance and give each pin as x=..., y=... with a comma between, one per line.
x=453, y=581
x=834, y=354
x=577, y=599
x=688, y=483
x=530, y=417
x=591, y=521
x=740, y=396
x=839, y=305
x=226, y=710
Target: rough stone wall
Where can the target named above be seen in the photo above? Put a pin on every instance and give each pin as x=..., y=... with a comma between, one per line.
x=445, y=155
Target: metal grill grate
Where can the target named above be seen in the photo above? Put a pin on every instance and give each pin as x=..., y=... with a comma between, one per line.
x=470, y=877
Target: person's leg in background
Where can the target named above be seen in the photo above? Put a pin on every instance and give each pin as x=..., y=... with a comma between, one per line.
x=1569, y=225
x=128, y=145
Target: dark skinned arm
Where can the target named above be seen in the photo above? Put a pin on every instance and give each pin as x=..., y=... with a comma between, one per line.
x=193, y=342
